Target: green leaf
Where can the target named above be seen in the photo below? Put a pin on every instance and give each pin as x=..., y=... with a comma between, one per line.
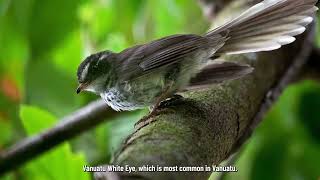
x=115, y=42
x=168, y=18
x=8, y=176
x=317, y=31
x=6, y=132
x=176, y=16
x=4, y=4
x=99, y=18
x=49, y=87
x=59, y=163
x=121, y=127
x=68, y=54
x=13, y=48
x=35, y=120
x=308, y=108
x=50, y=23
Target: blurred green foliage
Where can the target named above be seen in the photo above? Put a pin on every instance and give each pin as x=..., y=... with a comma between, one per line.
x=43, y=41
x=61, y=159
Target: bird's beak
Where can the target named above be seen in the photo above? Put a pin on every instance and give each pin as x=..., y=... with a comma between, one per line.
x=81, y=87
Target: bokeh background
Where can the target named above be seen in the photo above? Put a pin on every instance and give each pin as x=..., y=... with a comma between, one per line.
x=43, y=41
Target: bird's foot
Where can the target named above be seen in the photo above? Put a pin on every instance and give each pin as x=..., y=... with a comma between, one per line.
x=146, y=119
x=171, y=101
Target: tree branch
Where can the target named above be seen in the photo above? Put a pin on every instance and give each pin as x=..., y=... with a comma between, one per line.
x=207, y=126
x=67, y=128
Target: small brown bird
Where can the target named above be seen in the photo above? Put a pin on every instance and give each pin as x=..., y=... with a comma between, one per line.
x=145, y=75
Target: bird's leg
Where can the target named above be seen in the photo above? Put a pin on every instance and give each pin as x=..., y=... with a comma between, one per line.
x=148, y=119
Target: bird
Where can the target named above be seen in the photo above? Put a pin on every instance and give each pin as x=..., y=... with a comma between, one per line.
x=147, y=74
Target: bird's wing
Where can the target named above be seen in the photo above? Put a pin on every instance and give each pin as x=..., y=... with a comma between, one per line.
x=171, y=49
x=266, y=26
x=143, y=59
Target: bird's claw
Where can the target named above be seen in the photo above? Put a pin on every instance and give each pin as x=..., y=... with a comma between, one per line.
x=171, y=101
x=146, y=119
x=155, y=111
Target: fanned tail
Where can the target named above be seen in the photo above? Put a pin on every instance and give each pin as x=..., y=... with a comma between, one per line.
x=266, y=26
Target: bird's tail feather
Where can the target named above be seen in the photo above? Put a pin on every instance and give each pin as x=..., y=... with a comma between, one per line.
x=217, y=72
x=266, y=26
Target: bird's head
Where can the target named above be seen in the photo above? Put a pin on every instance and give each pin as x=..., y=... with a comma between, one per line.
x=94, y=73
